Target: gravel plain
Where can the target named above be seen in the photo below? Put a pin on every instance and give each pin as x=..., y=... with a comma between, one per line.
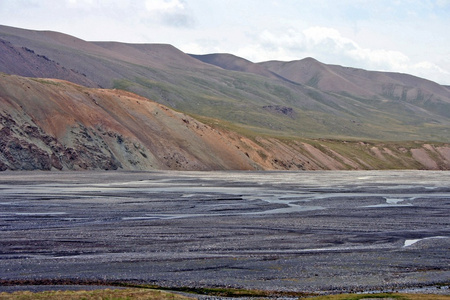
x=279, y=231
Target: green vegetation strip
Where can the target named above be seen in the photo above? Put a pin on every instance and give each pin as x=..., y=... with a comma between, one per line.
x=137, y=293
x=222, y=292
x=385, y=296
x=212, y=291
x=129, y=290
x=96, y=294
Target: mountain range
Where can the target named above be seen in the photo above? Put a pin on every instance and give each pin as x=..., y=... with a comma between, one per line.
x=72, y=104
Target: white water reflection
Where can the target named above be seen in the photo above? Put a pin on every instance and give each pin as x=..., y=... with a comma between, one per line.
x=56, y=213
x=246, y=193
x=410, y=242
x=393, y=200
x=413, y=241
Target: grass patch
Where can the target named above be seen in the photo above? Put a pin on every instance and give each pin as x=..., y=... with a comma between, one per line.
x=96, y=294
x=122, y=84
x=150, y=294
x=396, y=296
x=222, y=292
x=46, y=81
x=131, y=290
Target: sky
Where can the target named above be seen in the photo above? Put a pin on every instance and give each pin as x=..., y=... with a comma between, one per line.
x=407, y=36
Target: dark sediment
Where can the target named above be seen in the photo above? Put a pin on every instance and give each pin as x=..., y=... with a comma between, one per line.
x=277, y=231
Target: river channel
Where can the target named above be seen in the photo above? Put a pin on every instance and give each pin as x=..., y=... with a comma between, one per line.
x=295, y=231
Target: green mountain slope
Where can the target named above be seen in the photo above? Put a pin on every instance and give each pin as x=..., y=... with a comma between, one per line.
x=291, y=99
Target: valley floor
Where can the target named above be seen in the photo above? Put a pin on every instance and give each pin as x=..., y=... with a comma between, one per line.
x=286, y=231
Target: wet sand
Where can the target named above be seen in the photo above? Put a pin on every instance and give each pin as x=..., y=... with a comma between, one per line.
x=289, y=231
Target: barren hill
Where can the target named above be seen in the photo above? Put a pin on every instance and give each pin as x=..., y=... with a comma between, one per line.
x=50, y=124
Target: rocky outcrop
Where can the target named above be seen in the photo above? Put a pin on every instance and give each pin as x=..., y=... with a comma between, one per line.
x=24, y=146
x=279, y=109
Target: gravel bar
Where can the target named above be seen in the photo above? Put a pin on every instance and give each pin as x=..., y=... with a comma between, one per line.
x=321, y=231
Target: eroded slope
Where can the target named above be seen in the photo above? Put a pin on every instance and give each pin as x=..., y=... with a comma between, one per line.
x=50, y=124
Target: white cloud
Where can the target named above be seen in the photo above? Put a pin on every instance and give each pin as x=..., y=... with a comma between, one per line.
x=170, y=12
x=327, y=37
x=429, y=70
x=83, y=4
x=164, y=5
x=329, y=46
x=443, y=3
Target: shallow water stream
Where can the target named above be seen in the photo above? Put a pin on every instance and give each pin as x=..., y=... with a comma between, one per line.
x=303, y=231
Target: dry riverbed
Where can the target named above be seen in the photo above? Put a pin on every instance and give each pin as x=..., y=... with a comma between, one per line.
x=278, y=231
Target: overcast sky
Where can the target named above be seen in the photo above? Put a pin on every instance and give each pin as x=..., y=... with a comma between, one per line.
x=409, y=36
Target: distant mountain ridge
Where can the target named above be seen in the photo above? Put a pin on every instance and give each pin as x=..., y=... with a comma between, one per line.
x=299, y=99
x=234, y=63
x=343, y=80
x=24, y=61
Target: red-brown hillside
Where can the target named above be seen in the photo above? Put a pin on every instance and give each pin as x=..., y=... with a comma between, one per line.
x=48, y=123
x=53, y=124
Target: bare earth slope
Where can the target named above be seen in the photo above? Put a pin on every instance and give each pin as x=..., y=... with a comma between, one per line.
x=48, y=123
x=53, y=124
